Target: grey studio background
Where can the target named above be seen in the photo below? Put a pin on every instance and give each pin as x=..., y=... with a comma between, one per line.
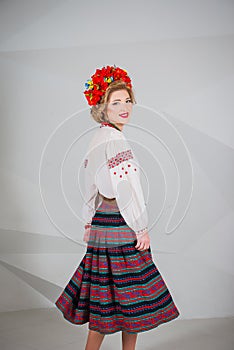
x=179, y=55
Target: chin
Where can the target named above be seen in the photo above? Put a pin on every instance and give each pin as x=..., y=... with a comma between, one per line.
x=124, y=120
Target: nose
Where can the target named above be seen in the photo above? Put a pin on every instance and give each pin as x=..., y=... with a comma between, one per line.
x=123, y=107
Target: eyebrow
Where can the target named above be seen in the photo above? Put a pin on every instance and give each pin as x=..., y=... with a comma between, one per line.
x=127, y=98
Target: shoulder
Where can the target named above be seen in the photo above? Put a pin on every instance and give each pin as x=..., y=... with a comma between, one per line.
x=101, y=136
x=117, y=138
x=116, y=135
x=108, y=133
x=112, y=137
x=118, y=148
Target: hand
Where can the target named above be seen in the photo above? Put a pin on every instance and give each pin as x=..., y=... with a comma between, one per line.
x=143, y=242
x=86, y=234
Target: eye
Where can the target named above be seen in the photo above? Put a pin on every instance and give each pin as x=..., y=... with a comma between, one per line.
x=115, y=103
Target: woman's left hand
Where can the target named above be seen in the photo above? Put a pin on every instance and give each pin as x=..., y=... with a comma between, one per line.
x=87, y=234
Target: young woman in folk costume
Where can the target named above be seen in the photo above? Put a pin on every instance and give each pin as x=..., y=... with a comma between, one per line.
x=117, y=286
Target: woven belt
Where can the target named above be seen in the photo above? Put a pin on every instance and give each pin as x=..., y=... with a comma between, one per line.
x=108, y=199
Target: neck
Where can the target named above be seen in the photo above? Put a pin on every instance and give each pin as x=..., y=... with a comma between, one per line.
x=119, y=126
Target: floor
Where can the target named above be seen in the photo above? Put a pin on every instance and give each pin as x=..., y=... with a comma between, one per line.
x=45, y=329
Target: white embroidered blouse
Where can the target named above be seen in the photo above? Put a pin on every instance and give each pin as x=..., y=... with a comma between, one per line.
x=112, y=170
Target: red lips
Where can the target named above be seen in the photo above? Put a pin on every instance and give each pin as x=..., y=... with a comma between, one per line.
x=124, y=115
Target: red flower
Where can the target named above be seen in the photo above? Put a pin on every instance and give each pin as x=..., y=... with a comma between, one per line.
x=99, y=84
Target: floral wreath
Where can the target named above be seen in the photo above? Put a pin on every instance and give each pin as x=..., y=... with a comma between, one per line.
x=100, y=80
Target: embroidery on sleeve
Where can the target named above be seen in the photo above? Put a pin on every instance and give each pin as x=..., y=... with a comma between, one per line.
x=119, y=158
x=86, y=162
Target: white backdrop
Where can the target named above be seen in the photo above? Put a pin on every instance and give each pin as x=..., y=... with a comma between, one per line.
x=179, y=55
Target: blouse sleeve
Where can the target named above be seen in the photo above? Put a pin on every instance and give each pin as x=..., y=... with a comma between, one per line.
x=88, y=209
x=125, y=178
x=91, y=199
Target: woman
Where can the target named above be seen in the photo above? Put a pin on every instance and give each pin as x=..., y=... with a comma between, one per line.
x=117, y=286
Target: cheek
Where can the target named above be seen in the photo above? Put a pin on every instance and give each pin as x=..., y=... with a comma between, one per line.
x=108, y=110
x=129, y=108
x=112, y=111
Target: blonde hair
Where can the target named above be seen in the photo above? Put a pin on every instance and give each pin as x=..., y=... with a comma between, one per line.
x=98, y=111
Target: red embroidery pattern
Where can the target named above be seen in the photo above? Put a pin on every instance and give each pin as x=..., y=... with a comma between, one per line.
x=119, y=158
x=106, y=124
x=126, y=172
x=86, y=162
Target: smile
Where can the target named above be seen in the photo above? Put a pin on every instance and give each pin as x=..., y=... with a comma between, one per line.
x=124, y=115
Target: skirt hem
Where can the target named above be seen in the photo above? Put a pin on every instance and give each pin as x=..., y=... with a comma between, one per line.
x=151, y=326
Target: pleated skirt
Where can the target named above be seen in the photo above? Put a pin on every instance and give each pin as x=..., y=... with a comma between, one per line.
x=116, y=287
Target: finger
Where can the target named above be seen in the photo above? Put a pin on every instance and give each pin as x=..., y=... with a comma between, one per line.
x=141, y=249
x=144, y=247
x=86, y=237
x=138, y=244
x=141, y=246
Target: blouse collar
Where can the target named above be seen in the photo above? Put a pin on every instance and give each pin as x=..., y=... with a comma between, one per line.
x=109, y=124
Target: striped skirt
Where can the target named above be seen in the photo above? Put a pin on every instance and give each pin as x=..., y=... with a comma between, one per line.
x=116, y=287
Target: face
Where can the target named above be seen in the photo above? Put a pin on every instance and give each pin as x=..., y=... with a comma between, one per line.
x=119, y=108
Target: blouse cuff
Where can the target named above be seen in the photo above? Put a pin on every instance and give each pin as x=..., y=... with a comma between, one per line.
x=142, y=232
